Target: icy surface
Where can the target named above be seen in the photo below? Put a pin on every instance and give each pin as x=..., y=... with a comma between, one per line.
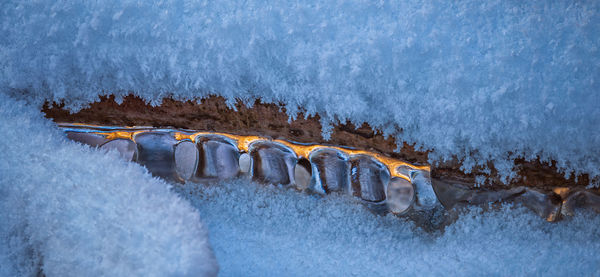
x=70, y=210
x=483, y=81
x=156, y=151
x=186, y=159
x=331, y=171
x=272, y=163
x=259, y=230
x=220, y=158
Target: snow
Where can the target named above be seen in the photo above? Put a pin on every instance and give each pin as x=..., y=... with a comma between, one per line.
x=259, y=230
x=482, y=82
x=70, y=210
x=76, y=211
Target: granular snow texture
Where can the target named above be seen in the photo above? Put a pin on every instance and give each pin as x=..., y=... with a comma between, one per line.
x=70, y=210
x=476, y=81
x=259, y=230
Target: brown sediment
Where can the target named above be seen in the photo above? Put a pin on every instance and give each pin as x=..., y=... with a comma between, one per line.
x=529, y=174
x=212, y=114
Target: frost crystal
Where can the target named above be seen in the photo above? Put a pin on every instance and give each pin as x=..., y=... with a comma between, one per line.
x=484, y=81
x=70, y=210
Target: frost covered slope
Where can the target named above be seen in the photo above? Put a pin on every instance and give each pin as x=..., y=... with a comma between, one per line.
x=76, y=211
x=489, y=80
x=266, y=231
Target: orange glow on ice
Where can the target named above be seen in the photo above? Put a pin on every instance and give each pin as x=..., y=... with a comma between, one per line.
x=243, y=143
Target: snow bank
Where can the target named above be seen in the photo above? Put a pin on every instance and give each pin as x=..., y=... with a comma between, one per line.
x=266, y=231
x=480, y=81
x=70, y=210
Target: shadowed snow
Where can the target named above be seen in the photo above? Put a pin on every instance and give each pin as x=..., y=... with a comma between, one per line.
x=263, y=230
x=75, y=211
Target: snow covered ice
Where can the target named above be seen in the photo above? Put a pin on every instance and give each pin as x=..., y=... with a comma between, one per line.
x=477, y=81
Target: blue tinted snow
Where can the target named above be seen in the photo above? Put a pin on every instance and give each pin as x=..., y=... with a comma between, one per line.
x=69, y=210
x=482, y=81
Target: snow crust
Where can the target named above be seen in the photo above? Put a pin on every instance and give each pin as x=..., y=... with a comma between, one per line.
x=480, y=81
x=259, y=230
x=70, y=210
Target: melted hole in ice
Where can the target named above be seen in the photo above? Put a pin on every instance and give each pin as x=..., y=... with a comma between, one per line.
x=126, y=148
x=156, y=151
x=400, y=195
x=331, y=171
x=186, y=159
x=426, y=197
x=218, y=158
x=272, y=163
x=302, y=174
x=369, y=178
x=581, y=199
x=244, y=163
x=545, y=205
